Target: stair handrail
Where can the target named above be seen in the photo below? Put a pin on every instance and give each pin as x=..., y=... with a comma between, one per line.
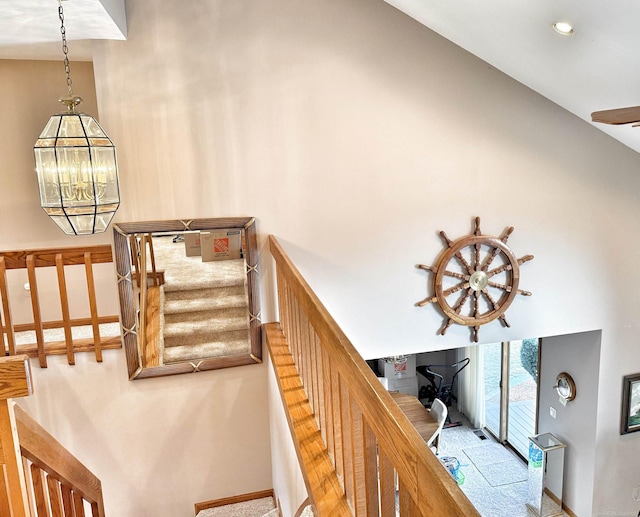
x=368, y=439
x=38, y=476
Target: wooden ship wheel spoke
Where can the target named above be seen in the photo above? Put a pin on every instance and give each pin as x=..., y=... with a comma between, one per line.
x=475, y=280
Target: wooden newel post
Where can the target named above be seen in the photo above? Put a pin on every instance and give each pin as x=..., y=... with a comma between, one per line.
x=15, y=381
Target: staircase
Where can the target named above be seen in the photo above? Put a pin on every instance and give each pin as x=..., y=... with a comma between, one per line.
x=203, y=305
x=257, y=504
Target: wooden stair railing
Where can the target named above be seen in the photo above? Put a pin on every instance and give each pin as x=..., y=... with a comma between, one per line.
x=38, y=477
x=143, y=243
x=354, y=444
x=149, y=302
x=59, y=258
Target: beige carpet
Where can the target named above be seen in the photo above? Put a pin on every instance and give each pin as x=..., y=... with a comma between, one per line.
x=264, y=507
x=203, y=307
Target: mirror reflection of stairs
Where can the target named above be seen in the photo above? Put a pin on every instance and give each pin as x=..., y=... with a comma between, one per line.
x=203, y=305
x=205, y=322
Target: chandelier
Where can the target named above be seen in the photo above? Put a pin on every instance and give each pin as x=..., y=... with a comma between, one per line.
x=76, y=165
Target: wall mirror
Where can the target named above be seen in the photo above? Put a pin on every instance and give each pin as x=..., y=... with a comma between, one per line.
x=188, y=292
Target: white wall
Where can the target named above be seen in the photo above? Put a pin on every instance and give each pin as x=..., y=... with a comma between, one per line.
x=158, y=445
x=355, y=134
x=575, y=423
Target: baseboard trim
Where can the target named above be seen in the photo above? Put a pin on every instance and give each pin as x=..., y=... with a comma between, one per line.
x=556, y=500
x=214, y=503
x=306, y=503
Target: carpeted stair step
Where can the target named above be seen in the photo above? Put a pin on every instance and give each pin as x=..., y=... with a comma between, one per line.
x=219, y=319
x=263, y=507
x=202, y=322
x=208, y=350
x=195, y=333
x=204, y=299
x=223, y=273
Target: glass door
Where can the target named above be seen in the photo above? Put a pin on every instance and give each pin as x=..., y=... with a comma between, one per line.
x=523, y=393
x=511, y=391
x=492, y=361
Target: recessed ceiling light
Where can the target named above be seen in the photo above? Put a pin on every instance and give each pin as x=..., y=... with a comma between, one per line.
x=564, y=28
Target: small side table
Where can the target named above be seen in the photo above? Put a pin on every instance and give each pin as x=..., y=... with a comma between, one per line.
x=546, y=475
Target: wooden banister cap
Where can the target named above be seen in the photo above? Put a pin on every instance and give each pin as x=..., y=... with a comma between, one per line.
x=15, y=377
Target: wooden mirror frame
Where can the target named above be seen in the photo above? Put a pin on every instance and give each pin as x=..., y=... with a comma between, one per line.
x=128, y=317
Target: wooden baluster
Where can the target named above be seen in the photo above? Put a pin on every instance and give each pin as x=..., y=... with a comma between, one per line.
x=286, y=310
x=282, y=301
x=289, y=326
x=53, y=489
x=26, y=468
x=153, y=261
x=67, y=500
x=370, y=449
x=347, y=443
x=64, y=305
x=42, y=502
x=300, y=359
x=328, y=406
x=8, y=321
x=387, y=485
x=35, y=305
x=78, y=505
x=297, y=336
x=309, y=352
x=338, y=449
x=321, y=414
x=314, y=372
x=292, y=327
x=358, y=458
x=306, y=355
x=93, y=306
x=303, y=351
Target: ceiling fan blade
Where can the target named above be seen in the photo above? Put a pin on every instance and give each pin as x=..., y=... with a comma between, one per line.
x=617, y=116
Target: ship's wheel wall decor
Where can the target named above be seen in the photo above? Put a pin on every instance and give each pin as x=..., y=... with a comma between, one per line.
x=475, y=280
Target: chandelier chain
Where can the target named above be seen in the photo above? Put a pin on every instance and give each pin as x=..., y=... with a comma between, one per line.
x=65, y=49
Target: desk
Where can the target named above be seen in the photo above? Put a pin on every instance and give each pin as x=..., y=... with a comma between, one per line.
x=417, y=414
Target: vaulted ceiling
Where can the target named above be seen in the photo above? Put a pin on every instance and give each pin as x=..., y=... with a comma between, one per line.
x=593, y=69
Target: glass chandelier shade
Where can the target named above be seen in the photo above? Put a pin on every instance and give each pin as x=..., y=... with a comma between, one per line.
x=77, y=172
x=76, y=165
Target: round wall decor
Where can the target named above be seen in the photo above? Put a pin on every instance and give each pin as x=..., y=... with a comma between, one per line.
x=475, y=279
x=565, y=386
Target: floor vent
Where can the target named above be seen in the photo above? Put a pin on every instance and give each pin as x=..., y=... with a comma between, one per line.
x=479, y=434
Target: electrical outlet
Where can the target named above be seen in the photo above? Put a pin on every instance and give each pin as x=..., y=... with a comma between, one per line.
x=636, y=493
x=552, y=411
